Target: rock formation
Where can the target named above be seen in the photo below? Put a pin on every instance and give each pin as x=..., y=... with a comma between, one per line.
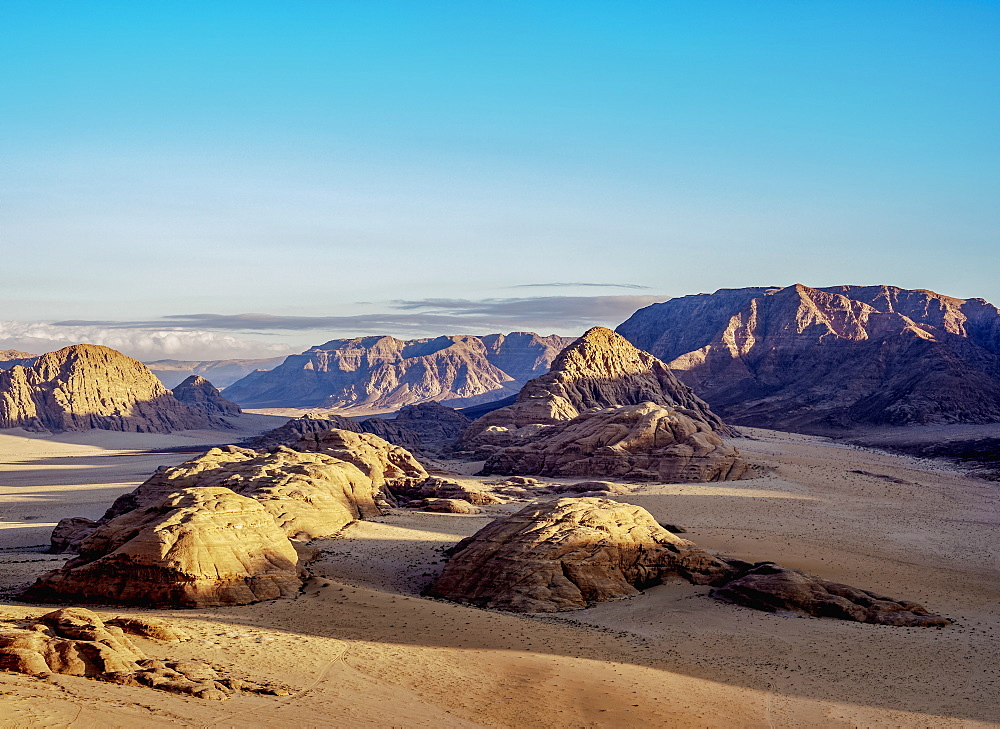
x=816, y=360
x=10, y=358
x=76, y=642
x=425, y=429
x=87, y=386
x=222, y=372
x=333, y=479
x=598, y=371
x=197, y=392
x=644, y=442
x=777, y=589
x=436, y=426
x=384, y=373
x=568, y=554
x=198, y=547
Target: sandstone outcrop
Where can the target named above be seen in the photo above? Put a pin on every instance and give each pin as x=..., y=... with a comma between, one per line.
x=197, y=392
x=427, y=428
x=571, y=553
x=332, y=479
x=439, y=488
x=384, y=373
x=818, y=360
x=645, y=442
x=378, y=459
x=568, y=554
x=88, y=386
x=12, y=357
x=451, y=506
x=435, y=425
x=75, y=642
x=767, y=586
x=198, y=547
x=599, y=370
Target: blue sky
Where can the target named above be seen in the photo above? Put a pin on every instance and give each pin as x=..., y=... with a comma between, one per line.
x=330, y=158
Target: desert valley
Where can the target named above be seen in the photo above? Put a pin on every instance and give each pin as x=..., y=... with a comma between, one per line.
x=762, y=507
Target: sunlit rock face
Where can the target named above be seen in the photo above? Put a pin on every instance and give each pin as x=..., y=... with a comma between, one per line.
x=387, y=373
x=800, y=358
x=328, y=481
x=644, y=442
x=198, y=547
x=568, y=554
x=600, y=370
x=88, y=386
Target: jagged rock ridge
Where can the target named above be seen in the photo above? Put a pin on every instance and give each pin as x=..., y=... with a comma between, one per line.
x=89, y=386
x=385, y=373
x=801, y=358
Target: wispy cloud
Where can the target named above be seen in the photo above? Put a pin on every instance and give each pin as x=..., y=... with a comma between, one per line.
x=564, y=284
x=419, y=317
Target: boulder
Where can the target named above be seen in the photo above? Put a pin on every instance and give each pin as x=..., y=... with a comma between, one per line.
x=568, y=554
x=378, y=459
x=146, y=627
x=451, y=506
x=197, y=392
x=198, y=547
x=767, y=586
x=644, y=442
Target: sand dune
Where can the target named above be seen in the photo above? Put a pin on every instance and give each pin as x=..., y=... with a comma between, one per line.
x=360, y=647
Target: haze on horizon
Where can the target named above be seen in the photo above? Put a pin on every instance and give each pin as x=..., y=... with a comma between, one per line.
x=420, y=169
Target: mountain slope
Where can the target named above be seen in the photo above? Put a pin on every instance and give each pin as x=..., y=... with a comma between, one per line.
x=800, y=358
x=88, y=386
x=388, y=373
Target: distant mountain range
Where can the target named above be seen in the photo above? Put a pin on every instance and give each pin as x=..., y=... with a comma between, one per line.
x=221, y=372
x=385, y=373
x=808, y=359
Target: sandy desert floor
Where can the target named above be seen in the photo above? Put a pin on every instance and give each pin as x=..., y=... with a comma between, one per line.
x=361, y=647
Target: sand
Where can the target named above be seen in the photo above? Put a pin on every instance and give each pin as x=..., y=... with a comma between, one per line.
x=361, y=647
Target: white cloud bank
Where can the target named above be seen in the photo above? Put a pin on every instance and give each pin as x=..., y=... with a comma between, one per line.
x=145, y=344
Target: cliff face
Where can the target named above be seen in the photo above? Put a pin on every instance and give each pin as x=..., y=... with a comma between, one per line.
x=88, y=386
x=388, y=373
x=799, y=358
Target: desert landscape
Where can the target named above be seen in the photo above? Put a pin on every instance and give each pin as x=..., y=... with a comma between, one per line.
x=602, y=551
x=523, y=365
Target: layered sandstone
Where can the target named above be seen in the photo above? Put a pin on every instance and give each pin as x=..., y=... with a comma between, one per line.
x=599, y=370
x=568, y=554
x=198, y=547
x=800, y=358
x=199, y=393
x=76, y=642
x=384, y=373
x=331, y=480
x=88, y=386
x=571, y=553
x=645, y=442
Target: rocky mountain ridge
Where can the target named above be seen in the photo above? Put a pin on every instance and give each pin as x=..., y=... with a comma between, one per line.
x=821, y=359
x=385, y=373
